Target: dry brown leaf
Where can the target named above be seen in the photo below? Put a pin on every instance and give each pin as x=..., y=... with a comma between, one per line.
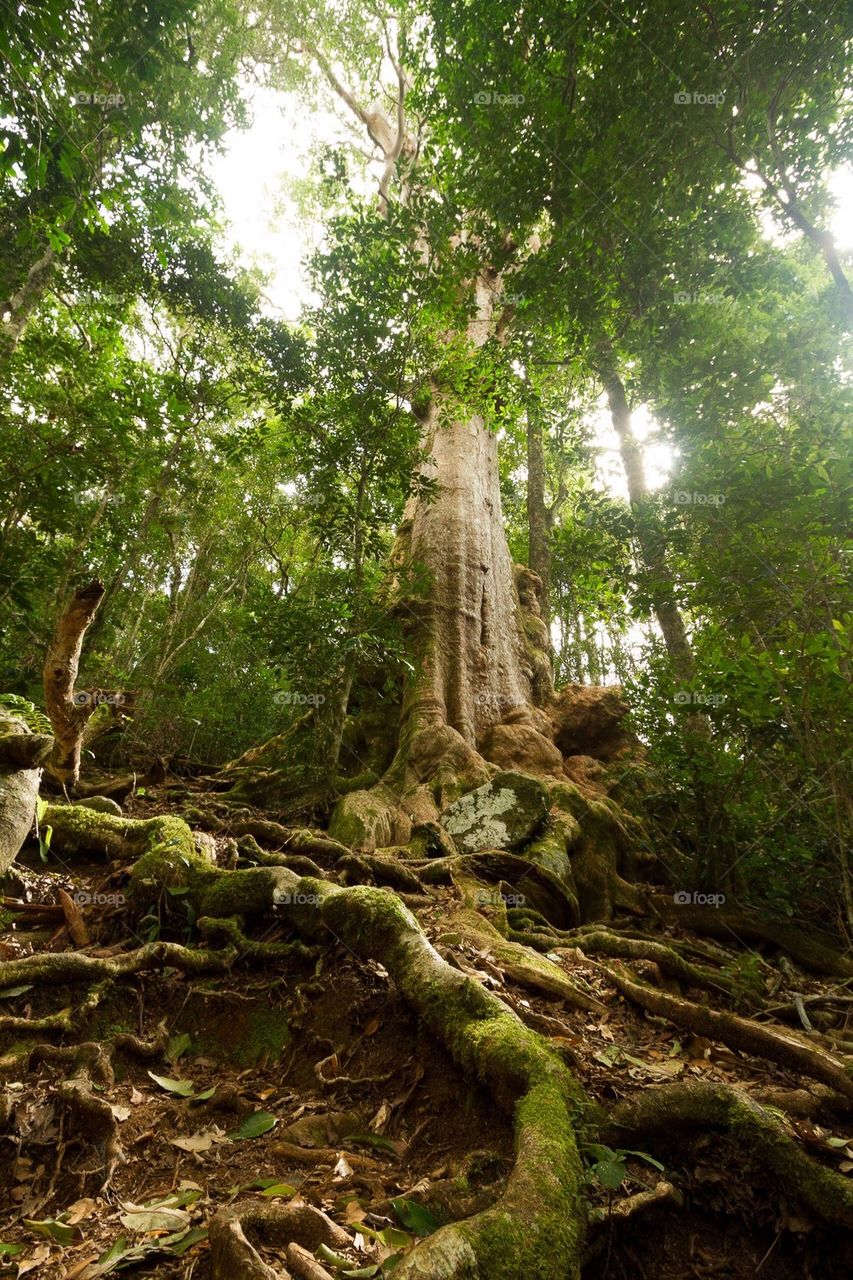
x=79, y=1210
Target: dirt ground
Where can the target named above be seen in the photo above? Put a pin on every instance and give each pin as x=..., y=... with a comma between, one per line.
x=311, y=1077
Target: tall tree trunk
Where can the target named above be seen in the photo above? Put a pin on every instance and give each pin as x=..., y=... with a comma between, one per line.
x=67, y=710
x=714, y=858
x=15, y=312
x=538, y=515
x=649, y=536
x=466, y=624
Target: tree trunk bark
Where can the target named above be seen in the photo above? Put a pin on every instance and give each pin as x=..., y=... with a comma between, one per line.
x=466, y=623
x=15, y=312
x=538, y=516
x=68, y=711
x=21, y=755
x=650, y=539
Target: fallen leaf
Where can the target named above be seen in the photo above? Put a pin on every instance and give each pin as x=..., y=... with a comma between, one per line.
x=379, y=1121
x=41, y=1255
x=79, y=1210
x=74, y=921
x=143, y=1221
x=193, y=1142
x=182, y=1087
x=254, y=1125
x=56, y=1230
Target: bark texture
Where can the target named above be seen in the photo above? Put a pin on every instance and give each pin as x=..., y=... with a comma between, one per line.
x=69, y=712
x=21, y=752
x=16, y=311
x=538, y=514
x=467, y=622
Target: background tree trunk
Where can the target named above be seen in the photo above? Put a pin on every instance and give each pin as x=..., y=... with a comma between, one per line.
x=538, y=514
x=650, y=539
x=68, y=711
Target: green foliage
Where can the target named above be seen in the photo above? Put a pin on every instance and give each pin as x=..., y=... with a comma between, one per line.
x=237, y=482
x=36, y=720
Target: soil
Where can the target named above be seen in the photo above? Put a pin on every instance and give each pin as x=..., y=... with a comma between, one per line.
x=380, y=1109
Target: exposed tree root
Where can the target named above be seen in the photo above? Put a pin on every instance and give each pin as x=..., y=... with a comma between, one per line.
x=699, y=1104
x=69, y=966
x=626, y=1208
x=603, y=942
x=249, y=849
x=232, y=1255
x=92, y=1116
x=323, y=1155
x=546, y=891
x=784, y=1047
x=537, y=1226
x=361, y=868
x=65, y=1022
x=731, y=923
x=55, y=969
x=515, y=961
x=229, y=931
x=94, y=1057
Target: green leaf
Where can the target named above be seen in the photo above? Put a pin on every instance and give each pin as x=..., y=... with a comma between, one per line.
x=177, y=1046
x=55, y=1230
x=204, y=1095
x=15, y=991
x=116, y=1250
x=8, y=1250
x=390, y=1236
x=279, y=1189
x=415, y=1216
x=610, y=1173
x=254, y=1125
x=643, y=1155
x=183, y=1088
x=184, y=1242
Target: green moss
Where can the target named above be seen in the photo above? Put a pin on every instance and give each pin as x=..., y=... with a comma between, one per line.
x=362, y=820
x=359, y=783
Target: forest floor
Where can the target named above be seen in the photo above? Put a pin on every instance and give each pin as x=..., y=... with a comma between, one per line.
x=312, y=1076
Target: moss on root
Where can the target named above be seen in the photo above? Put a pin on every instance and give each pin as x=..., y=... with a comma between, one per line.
x=700, y=1105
